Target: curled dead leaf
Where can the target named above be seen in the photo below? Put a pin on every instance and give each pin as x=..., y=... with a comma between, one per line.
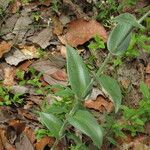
x=5, y=47
x=100, y=104
x=80, y=31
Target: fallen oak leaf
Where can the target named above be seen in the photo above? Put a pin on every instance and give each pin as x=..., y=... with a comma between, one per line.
x=5, y=47
x=80, y=31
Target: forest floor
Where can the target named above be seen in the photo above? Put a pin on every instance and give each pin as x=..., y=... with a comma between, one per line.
x=33, y=76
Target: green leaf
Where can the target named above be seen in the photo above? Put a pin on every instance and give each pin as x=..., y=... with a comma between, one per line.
x=112, y=88
x=51, y=122
x=86, y=123
x=128, y=19
x=145, y=90
x=119, y=39
x=77, y=72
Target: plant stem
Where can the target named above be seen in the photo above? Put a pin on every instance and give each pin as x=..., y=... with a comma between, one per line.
x=143, y=17
x=71, y=113
x=101, y=69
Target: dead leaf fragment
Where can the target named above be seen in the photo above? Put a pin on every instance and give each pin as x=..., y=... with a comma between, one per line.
x=63, y=51
x=23, y=143
x=15, y=56
x=42, y=38
x=4, y=47
x=21, y=26
x=148, y=69
x=15, y=5
x=99, y=104
x=59, y=75
x=52, y=72
x=41, y=144
x=9, y=75
x=81, y=31
x=5, y=143
x=30, y=134
x=58, y=27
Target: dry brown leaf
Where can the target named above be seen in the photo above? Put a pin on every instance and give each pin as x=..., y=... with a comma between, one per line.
x=4, y=47
x=42, y=38
x=40, y=145
x=81, y=31
x=30, y=134
x=25, y=66
x=15, y=5
x=29, y=51
x=52, y=72
x=59, y=75
x=22, y=26
x=5, y=142
x=58, y=27
x=23, y=143
x=9, y=75
x=25, y=52
x=27, y=114
x=15, y=127
x=63, y=51
x=99, y=104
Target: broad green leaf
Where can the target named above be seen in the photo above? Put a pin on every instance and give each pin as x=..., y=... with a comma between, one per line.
x=77, y=72
x=86, y=123
x=112, y=88
x=51, y=122
x=128, y=19
x=119, y=39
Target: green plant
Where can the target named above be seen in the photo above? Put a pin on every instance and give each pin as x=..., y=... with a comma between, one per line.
x=7, y=98
x=81, y=84
x=106, y=9
x=25, y=1
x=34, y=79
x=36, y=16
x=133, y=120
x=55, y=6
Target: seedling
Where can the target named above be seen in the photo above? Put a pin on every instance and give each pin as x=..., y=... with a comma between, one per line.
x=7, y=98
x=81, y=84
